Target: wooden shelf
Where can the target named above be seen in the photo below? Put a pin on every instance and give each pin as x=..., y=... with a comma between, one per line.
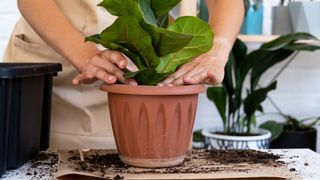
x=266, y=38
x=257, y=38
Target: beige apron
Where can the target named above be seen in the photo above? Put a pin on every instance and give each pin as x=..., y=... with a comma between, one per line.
x=80, y=115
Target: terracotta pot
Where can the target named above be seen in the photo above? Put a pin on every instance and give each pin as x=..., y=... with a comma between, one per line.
x=152, y=125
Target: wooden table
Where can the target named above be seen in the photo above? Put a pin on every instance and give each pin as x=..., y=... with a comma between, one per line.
x=303, y=162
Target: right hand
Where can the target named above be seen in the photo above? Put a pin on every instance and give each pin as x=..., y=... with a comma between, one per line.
x=106, y=66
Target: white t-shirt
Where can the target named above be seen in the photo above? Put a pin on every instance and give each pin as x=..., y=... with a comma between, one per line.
x=105, y=19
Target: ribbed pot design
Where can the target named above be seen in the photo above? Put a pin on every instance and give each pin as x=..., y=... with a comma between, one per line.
x=152, y=125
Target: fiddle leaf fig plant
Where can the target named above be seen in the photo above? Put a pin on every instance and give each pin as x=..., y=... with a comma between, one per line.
x=140, y=33
x=237, y=103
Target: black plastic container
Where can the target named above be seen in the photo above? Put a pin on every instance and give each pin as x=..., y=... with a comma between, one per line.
x=25, y=111
x=296, y=139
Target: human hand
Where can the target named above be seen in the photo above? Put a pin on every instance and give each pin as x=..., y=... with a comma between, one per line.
x=207, y=68
x=107, y=66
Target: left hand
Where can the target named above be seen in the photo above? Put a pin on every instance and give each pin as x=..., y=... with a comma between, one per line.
x=207, y=68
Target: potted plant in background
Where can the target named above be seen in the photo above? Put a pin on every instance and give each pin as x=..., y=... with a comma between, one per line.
x=153, y=125
x=293, y=133
x=237, y=104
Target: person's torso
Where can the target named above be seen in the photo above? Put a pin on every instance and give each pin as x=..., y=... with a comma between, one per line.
x=85, y=15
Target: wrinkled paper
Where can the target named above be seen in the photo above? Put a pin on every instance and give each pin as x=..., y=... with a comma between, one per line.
x=68, y=163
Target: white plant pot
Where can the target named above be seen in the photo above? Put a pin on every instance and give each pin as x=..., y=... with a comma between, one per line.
x=219, y=141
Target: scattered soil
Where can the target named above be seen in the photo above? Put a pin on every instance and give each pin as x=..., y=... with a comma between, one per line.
x=243, y=156
x=42, y=166
x=197, y=161
x=292, y=169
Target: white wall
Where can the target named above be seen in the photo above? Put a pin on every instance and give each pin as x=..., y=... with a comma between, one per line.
x=298, y=90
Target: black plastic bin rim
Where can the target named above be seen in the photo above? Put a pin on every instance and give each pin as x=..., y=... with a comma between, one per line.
x=18, y=70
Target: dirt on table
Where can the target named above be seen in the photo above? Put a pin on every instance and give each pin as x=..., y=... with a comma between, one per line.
x=44, y=165
x=197, y=161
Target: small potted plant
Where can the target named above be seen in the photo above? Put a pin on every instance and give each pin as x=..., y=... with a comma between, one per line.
x=237, y=104
x=152, y=125
x=293, y=133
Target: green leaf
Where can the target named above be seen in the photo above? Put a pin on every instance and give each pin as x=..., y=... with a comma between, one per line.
x=201, y=43
x=260, y=108
x=254, y=100
x=163, y=21
x=145, y=6
x=301, y=47
x=218, y=96
x=197, y=136
x=122, y=8
x=129, y=75
x=127, y=32
x=114, y=46
x=171, y=42
x=150, y=77
x=136, y=34
x=161, y=7
x=164, y=41
x=274, y=127
x=239, y=52
x=287, y=39
x=266, y=61
x=228, y=78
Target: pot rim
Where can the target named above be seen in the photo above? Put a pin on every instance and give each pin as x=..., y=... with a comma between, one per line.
x=309, y=131
x=153, y=90
x=264, y=134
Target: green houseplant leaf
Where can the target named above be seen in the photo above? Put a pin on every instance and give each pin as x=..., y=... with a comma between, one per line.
x=111, y=45
x=164, y=41
x=269, y=59
x=201, y=43
x=253, y=65
x=287, y=39
x=274, y=127
x=253, y=100
x=127, y=32
x=218, y=96
x=150, y=76
x=136, y=34
x=161, y=7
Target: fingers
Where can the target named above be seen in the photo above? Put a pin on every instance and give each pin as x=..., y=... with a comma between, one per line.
x=106, y=67
x=176, y=78
x=214, y=78
x=196, y=79
x=195, y=76
x=110, y=69
x=115, y=57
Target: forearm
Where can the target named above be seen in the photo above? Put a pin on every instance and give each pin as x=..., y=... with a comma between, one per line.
x=53, y=27
x=225, y=17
